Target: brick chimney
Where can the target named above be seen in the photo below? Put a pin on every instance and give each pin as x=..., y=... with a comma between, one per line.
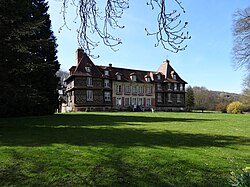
x=79, y=55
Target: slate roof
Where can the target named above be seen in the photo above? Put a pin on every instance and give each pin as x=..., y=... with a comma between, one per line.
x=165, y=70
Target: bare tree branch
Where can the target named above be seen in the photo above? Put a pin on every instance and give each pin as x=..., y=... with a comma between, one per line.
x=241, y=33
x=170, y=28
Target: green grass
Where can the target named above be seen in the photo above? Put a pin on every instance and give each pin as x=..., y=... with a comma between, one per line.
x=123, y=149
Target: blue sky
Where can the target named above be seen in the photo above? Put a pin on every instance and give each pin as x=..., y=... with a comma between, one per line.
x=207, y=61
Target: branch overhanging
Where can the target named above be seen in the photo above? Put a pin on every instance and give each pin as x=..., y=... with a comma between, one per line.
x=93, y=21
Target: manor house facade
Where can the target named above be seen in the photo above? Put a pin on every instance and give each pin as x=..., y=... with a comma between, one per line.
x=92, y=87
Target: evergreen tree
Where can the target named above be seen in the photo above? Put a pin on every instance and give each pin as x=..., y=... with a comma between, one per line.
x=189, y=98
x=28, y=61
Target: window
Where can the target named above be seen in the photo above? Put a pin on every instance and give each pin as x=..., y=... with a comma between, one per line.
x=134, y=89
x=88, y=69
x=106, y=72
x=159, y=86
x=140, y=101
x=127, y=89
x=106, y=83
x=178, y=98
x=148, y=79
x=175, y=86
x=148, y=102
x=169, y=98
x=118, y=101
x=159, y=76
x=133, y=101
x=89, y=95
x=133, y=78
x=140, y=89
x=159, y=97
x=118, y=77
x=169, y=86
x=107, y=96
x=89, y=81
x=174, y=77
x=118, y=89
x=181, y=87
x=148, y=90
x=127, y=101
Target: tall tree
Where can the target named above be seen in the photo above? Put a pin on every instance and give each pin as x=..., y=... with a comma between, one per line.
x=246, y=92
x=189, y=98
x=241, y=33
x=28, y=60
x=202, y=98
x=170, y=29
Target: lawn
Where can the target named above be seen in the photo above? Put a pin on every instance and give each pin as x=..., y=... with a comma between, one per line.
x=123, y=149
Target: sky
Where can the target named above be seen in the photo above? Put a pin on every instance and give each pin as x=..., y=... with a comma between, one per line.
x=207, y=60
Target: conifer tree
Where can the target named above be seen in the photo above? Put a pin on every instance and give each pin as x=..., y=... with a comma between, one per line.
x=189, y=98
x=28, y=61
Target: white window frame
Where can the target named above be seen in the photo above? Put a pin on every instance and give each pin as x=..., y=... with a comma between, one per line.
x=148, y=102
x=88, y=69
x=140, y=101
x=140, y=90
x=159, y=97
x=118, y=77
x=169, y=97
x=148, y=79
x=107, y=96
x=127, y=89
x=159, y=76
x=118, y=101
x=175, y=86
x=133, y=78
x=148, y=90
x=134, y=101
x=169, y=86
x=89, y=81
x=181, y=87
x=118, y=89
x=126, y=101
x=106, y=72
x=90, y=96
x=106, y=83
x=134, y=89
x=174, y=76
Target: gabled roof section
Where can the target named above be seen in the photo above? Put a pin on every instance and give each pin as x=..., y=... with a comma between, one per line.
x=169, y=73
x=85, y=67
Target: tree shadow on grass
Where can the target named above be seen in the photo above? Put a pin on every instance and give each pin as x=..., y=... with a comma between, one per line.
x=78, y=130
x=92, y=119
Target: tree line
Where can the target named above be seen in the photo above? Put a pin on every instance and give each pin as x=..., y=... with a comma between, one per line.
x=200, y=98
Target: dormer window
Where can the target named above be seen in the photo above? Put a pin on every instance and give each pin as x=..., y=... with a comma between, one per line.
x=173, y=75
x=133, y=78
x=118, y=77
x=147, y=79
x=106, y=72
x=88, y=69
x=159, y=76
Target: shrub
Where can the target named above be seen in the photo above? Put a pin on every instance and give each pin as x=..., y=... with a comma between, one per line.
x=221, y=107
x=241, y=179
x=235, y=108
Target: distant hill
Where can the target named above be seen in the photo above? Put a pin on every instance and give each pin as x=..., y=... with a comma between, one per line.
x=227, y=96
